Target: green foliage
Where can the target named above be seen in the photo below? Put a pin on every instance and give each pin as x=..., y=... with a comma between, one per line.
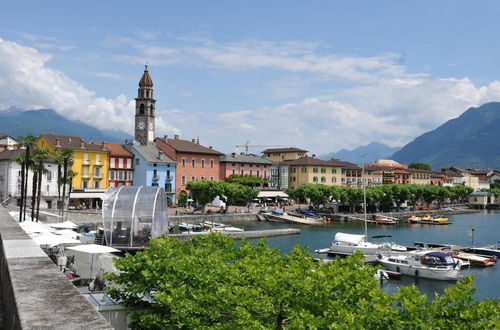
x=211, y=282
x=246, y=180
x=182, y=198
x=205, y=191
x=420, y=166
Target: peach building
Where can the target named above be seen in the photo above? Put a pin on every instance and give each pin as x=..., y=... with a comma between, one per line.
x=194, y=162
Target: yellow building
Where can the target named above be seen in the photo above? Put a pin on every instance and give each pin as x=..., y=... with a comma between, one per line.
x=312, y=170
x=418, y=176
x=90, y=161
x=280, y=154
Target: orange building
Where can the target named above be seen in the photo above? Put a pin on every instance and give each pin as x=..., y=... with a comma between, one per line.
x=194, y=162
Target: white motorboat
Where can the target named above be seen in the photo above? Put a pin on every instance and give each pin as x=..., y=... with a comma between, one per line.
x=344, y=243
x=434, y=265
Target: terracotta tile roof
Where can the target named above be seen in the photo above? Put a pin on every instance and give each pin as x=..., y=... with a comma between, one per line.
x=152, y=154
x=116, y=149
x=306, y=160
x=187, y=147
x=72, y=142
x=291, y=149
x=146, y=80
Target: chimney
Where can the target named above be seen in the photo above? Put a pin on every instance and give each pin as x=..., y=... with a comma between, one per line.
x=103, y=147
x=233, y=154
x=82, y=144
x=210, y=147
x=160, y=154
x=313, y=155
x=197, y=140
x=176, y=137
x=193, y=140
x=58, y=142
x=165, y=138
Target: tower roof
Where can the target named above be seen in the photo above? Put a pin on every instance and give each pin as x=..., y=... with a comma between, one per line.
x=146, y=79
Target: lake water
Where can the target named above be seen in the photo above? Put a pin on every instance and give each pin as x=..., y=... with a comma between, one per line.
x=486, y=225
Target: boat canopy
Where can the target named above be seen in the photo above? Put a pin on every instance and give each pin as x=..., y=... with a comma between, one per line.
x=439, y=257
x=132, y=214
x=349, y=238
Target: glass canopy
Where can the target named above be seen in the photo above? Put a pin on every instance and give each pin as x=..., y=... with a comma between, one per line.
x=132, y=214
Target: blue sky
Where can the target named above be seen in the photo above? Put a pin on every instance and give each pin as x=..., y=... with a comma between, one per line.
x=321, y=75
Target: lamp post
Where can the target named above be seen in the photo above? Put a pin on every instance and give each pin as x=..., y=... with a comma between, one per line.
x=364, y=194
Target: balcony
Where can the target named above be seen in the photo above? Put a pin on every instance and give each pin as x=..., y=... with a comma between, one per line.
x=85, y=162
x=98, y=163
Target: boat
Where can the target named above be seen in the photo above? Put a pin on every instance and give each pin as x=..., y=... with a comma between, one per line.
x=291, y=218
x=277, y=212
x=426, y=217
x=382, y=220
x=414, y=219
x=475, y=259
x=485, y=251
x=190, y=227
x=440, y=219
x=432, y=265
x=345, y=243
x=308, y=213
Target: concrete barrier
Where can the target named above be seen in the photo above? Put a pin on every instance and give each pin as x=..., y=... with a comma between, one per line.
x=34, y=293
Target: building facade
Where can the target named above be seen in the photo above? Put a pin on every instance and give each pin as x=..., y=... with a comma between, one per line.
x=8, y=143
x=89, y=160
x=280, y=171
x=243, y=164
x=194, y=162
x=121, y=167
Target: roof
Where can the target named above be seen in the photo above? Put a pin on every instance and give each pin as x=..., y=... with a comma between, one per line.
x=306, y=160
x=186, y=146
x=235, y=158
x=151, y=154
x=72, y=142
x=481, y=193
x=11, y=154
x=271, y=194
x=116, y=149
x=146, y=80
x=450, y=172
x=291, y=149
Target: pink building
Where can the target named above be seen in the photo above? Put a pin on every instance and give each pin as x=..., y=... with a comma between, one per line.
x=244, y=165
x=120, y=165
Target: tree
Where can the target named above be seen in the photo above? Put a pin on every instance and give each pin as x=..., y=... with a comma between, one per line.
x=212, y=282
x=246, y=180
x=420, y=166
x=182, y=198
x=66, y=155
x=40, y=155
x=21, y=160
x=28, y=142
x=205, y=191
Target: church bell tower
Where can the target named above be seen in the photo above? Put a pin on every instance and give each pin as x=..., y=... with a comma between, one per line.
x=145, y=111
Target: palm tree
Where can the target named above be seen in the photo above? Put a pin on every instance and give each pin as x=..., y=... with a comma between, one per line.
x=28, y=142
x=20, y=160
x=40, y=155
x=59, y=160
x=66, y=155
x=70, y=176
x=34, y=168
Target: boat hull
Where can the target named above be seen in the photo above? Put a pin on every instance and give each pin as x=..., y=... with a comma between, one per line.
x=442, y=274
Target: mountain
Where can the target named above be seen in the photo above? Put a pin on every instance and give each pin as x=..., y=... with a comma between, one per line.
x=372, y=152
x=470, y=141
x=19, y=122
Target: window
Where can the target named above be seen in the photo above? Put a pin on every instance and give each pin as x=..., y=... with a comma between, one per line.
x=343, y=179
x=241, y=172
x=141, y=109
x=250, y=172
x=303, y=170
x=48, y=176
x=323, y=179
x=334, y=179
x=121, y=175
x=202, y=178
x=129, y=163
x=111, y=175
x=315, y=170
x=85, y=173
x=85, y=184
x=211, y=163
x=120, y=162
x=193, y=162
x=258, y=173
x=85, y=156
x=315, y=179
x=97, y=185
x=293, y=170
x=202, y=163
x=211, y=178
x=183, y=180
x=323, y=170
x=168, y=175
x=193, y=178
x=47, y=189
x=251, y=165
x=183, y=162
x=97, y=172
x=97, y=158
x=234, y=171
x=265, y=174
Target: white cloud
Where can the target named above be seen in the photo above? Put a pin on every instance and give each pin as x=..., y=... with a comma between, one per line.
x=26, y=81
x=108, y=75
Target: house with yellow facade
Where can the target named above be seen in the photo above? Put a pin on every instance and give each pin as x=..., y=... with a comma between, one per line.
x=89, y=161
x=279, y=170
x=328, y=172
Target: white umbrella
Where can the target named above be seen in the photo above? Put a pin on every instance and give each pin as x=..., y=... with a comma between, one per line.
x=92, y=249
x=64, y=225
x=52, y=240
x=35, y=227
x=68, y=233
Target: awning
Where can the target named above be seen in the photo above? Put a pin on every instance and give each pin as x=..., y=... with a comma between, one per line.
x=87, y=195
x=93, y=248
x=272, y=194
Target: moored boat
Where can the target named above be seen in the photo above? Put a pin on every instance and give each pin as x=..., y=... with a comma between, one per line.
x=432, y=265
x=475, y=259
x=382, y=220
x=414, y=219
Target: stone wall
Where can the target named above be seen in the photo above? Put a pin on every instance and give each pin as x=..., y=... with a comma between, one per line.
x=34, y=293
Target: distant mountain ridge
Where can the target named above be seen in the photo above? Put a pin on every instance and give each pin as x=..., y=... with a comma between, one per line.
x=470, y=141
x=372, y=152
x=19, y=122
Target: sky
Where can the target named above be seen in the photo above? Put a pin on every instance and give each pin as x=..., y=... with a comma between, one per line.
x=319, y=75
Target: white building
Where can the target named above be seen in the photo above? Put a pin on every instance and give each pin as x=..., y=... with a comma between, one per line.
x=10, y=180
x=8, y=143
